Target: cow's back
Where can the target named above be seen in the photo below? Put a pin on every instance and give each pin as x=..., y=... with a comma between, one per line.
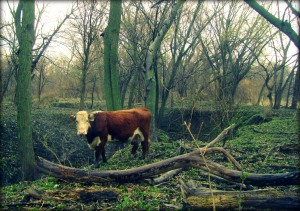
x=123, y=123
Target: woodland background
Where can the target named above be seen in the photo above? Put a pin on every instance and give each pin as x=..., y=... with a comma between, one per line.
x=199, y=66
x=223, y=53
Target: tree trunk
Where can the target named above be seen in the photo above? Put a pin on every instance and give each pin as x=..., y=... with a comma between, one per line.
x=296, y=90
x=133, y=89
x=279, y=89
x=283, y=26
x=260, y=94
x=5, y=83
x=82, y=88
x=203, y=199
x=25, y=34
x=111, y=39
x=93, y=91
x=289, y=90
x=135, y=73
x=151, y=59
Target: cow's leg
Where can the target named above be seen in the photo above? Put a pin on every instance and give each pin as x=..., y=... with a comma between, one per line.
x=102, y=148
x=145, y=144
x=97, y=157
x=145, y=148
x=135, y=144
x=103, y=155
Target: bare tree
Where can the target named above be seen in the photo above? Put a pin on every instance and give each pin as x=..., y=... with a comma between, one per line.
x=8, y=40
x=183, y=44
x=282, y=24
x=137, y=34
x=277, y=73
x=86, y=26
x=151, y=90
x=230, y=54
x=41, y=42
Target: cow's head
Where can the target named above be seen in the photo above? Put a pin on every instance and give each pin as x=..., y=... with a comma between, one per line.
x=83, y=121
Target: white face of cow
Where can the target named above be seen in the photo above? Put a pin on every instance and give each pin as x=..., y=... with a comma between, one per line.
x=83, y=119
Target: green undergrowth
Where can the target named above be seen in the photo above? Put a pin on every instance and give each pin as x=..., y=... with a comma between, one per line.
x=270, y=146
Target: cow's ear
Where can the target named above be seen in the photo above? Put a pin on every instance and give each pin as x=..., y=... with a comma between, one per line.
x=73, y=117
x=91, y=117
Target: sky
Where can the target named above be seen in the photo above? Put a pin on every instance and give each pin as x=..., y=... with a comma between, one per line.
x=55, y=11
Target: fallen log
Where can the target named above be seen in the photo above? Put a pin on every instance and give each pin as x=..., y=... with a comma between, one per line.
x=204, y=199
x=195, y=159
x=182, y=161
x=164, y=177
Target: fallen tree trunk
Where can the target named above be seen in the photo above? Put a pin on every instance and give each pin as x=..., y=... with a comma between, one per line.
x=204, y=199
x=245, y=201
x=193, y=159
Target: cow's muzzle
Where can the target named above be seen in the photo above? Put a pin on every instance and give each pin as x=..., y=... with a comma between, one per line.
x=81, y=133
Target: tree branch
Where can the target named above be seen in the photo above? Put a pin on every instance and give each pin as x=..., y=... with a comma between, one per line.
x=44, y=47
x=283, y=26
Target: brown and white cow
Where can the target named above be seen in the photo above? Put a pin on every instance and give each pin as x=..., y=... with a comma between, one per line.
x=102, y=126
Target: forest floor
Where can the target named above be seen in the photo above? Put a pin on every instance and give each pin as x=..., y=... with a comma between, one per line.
x=268, y=147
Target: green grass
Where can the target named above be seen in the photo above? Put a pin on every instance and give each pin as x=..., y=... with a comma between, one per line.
x=262, y=145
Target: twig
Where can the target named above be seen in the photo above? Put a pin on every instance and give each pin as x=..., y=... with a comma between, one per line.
x=223, y=180
x=229, y=157
x=164, y=177
x=206, y=165
x=221, y=136
x=45, y=144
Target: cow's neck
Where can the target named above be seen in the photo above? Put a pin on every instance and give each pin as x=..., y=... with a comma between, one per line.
x=90, y=134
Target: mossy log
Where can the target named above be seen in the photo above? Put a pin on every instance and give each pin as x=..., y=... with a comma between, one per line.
x=195, y=159
x=204, y=199
x=245, y=201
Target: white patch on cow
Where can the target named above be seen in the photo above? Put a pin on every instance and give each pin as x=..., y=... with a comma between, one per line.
x=82, y=122
x=137, y=132
x=109, y=138
x=95, y=143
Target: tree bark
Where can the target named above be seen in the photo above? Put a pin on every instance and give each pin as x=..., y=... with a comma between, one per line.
x=150, y=95
x=111, y=39
x=134, y=60
x=296, y=90
x=201, y=199
x=283, y=26
x=25, y=35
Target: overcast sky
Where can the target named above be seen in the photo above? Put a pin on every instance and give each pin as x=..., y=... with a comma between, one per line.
x=56, y=11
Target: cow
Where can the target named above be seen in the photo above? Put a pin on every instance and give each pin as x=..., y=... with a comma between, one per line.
x=99, y=127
